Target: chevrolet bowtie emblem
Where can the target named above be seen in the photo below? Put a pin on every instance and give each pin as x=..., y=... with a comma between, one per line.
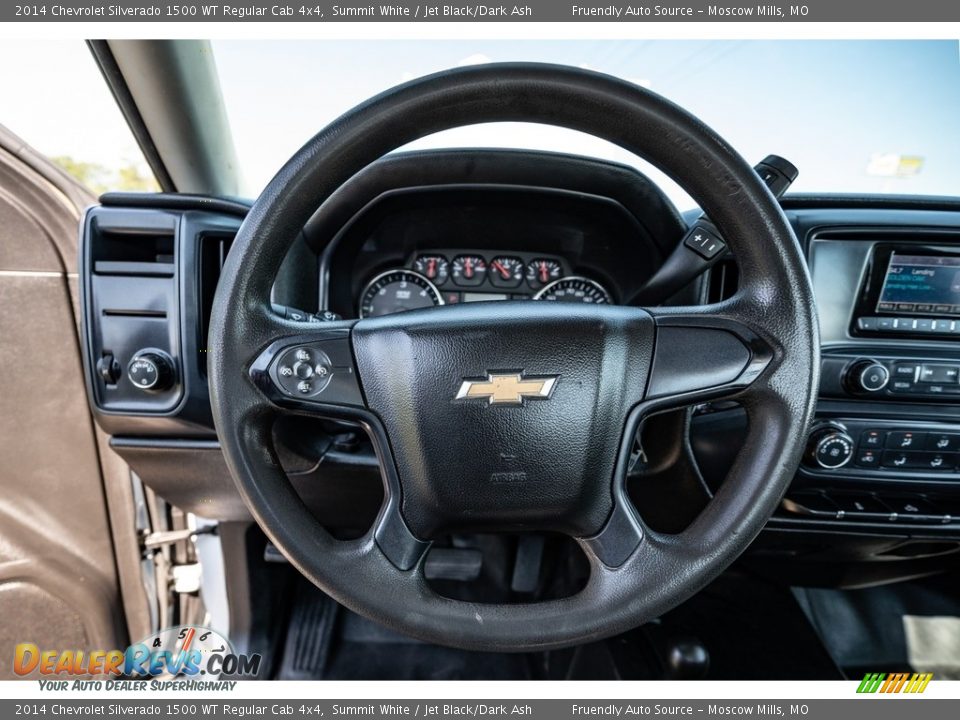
x=507, y=388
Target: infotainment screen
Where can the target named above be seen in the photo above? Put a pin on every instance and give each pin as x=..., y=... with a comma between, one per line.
x=921, y=283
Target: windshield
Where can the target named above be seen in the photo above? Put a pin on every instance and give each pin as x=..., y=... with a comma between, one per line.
x=854, y=116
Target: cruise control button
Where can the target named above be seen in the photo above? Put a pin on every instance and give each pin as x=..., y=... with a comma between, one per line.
x=303, y=370
x=944, y=442
x=704, y=242
x=906, y=439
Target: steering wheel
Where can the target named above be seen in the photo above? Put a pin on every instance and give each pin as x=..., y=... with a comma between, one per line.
x=513, y=416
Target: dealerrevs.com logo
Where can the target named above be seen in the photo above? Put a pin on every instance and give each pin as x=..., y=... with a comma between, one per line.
x=183, y=651
x=888, y=683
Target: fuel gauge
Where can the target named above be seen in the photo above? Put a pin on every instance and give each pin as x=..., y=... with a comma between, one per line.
x=469, y=270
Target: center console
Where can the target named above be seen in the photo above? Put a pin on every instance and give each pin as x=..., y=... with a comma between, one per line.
x=885, y=448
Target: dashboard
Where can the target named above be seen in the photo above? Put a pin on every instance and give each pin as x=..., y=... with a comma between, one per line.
x=877, y=496
x=431, y=279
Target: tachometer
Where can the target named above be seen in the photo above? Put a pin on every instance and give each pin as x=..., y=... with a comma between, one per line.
x=396, y=291
x=576, y=290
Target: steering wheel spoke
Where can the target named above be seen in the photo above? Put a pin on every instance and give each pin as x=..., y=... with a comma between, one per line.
x=308, y=367
x=701, y=354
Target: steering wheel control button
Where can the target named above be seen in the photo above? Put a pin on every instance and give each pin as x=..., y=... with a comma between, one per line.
x=303, y=370
x=320, y=371
x=704, y=241
x=150, y=371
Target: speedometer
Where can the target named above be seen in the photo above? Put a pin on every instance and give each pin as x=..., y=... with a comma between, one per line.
x=396, y=291
x=575, y=289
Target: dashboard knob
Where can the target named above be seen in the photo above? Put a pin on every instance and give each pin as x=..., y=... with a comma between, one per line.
x=830, y=447
x=867, y=376
x=151, y=370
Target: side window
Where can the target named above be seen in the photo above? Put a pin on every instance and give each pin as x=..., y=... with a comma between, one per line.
x=58, y=102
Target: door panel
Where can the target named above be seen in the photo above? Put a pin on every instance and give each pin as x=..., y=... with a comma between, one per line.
x=59, y=583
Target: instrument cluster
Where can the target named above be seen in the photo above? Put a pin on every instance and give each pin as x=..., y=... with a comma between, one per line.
x=442, y=278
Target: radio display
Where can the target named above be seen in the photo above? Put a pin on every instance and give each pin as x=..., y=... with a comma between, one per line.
x=921, y=283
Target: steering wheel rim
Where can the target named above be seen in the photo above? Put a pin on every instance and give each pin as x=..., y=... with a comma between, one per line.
x=636, y=574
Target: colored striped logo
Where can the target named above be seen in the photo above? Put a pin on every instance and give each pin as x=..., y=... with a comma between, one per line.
x=894, y=682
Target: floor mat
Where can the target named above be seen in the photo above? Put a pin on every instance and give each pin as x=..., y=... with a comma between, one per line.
x=933, y=645
x=891, y=628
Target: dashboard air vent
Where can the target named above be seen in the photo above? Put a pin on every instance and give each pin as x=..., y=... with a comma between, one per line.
x=213, y=253
x=723, y=281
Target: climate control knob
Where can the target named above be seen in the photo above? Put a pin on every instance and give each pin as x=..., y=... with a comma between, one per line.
x=151, y=370
x=867, y=376
x=830, y=447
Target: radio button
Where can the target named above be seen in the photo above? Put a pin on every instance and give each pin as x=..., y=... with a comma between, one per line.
x=904, y=324
x=884, y=323
x=942, y=442
x=924, y=308
x=923, y=325
x=905, y=307
x=906, y=440
x=902, y=386
x=939, y=374
x=906, y=371
x=867, y=323
x=943, y=326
